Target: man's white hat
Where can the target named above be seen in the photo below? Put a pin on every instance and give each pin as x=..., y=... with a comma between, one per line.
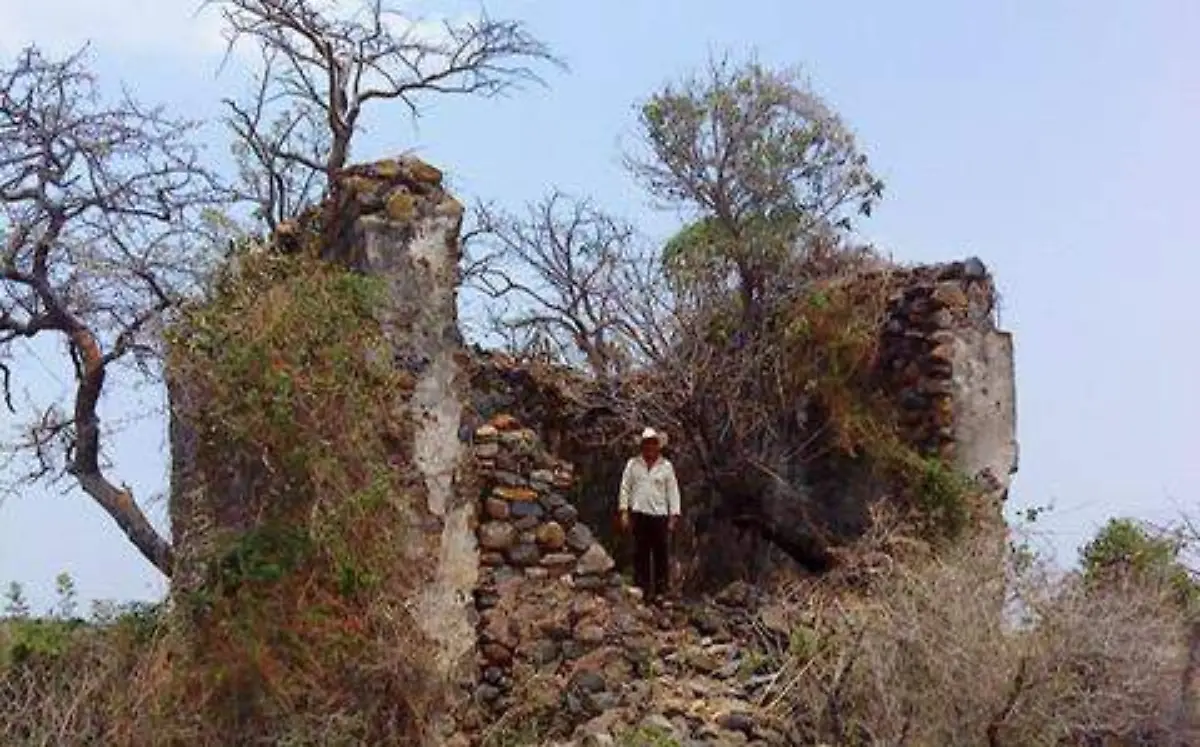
x=650, y=433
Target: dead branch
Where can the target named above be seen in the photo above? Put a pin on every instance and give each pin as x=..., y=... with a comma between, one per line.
x=320, y=70
x=560, y=274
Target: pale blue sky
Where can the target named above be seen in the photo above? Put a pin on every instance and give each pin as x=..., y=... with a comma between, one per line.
x=1055, y=139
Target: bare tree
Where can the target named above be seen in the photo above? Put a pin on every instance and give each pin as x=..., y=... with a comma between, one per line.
x=100, y=204
x=567, y=277
x=274, y=150
x=321, y=69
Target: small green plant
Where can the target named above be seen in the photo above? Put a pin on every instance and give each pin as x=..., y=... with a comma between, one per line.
x=804, y=642
x=753, y=662
x=527, y=732
x=940, y=495
x=261, y=556
x=67, y=605
x=15, y=604
x=646, y=735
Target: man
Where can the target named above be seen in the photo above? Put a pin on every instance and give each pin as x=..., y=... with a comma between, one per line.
x=649, y=502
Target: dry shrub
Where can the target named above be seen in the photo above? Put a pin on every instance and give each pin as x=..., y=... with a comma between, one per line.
x=962, y=650
x=69, y=682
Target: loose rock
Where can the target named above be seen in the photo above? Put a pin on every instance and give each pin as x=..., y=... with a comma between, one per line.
x=595, y=561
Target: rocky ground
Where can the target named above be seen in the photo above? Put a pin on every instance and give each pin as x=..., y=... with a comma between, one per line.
x=568, y=653
x=610, y=671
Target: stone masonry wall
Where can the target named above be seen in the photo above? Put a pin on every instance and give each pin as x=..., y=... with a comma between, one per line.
x=391, y=219
x=567, y=653
x=530, y=539
x=950, y=370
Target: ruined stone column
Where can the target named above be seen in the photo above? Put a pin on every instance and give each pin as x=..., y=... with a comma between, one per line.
x=393, y=220
x=396, y=222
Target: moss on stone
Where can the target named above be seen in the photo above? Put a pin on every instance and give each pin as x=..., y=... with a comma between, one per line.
x=401, y=206
x=424, y=173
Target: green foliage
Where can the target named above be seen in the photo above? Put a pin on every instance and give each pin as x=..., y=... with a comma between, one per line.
x=15, y=604
x=829, y=343
x=707, y=255
x=68, y=598
x=260, y=557
x=26, y=640
x=291, y=363
x=766, y=168
x=646, y=735
x=138, y=622
x=753, y=662
x=940, y=495
x=41, y=638
x=1126, y=548
x=744, y=140
x=531, y=730
x=804, y=642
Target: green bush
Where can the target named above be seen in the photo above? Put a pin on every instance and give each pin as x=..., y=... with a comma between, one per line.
x=1128, y=549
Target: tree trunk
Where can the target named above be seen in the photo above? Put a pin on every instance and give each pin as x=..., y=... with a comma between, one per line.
x=85, y=464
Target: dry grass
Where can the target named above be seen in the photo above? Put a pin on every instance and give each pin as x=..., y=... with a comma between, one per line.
x=300, y=633
x=962, y=650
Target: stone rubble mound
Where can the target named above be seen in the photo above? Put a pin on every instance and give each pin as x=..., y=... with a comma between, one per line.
x=565, y=643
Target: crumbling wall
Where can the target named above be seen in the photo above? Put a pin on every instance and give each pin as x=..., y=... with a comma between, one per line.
x=567, y=652
x=392, y=220
x=534, y=549
x=942, y=363
x=397, y=222
x=950, y=370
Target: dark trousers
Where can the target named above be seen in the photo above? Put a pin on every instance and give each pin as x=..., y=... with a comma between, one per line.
x=651, y=567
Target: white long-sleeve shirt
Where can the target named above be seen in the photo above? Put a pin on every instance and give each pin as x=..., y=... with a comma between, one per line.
x=649, y=490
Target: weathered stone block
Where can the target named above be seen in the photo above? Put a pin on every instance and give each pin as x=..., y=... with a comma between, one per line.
x=497, y=509
x=515, y=494
x=551, y=535
x=497, y=535
x=527, y=523
x=580, y=538
x=567, y=516
x=595, y=561
x=559, y=561
x=524, y=555
x=521, y=509
x=496, y=655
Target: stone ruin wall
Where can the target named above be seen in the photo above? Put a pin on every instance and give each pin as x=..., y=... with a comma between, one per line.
x=518, y=584
x=550, y=606
x=949, y=368
x=544, y=578
x=391, y=219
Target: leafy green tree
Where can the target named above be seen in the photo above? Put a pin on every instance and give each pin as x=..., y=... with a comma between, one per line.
x=762, y=164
